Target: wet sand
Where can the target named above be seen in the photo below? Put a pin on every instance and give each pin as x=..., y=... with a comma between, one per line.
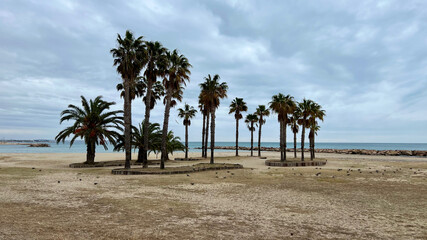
x=381, y=197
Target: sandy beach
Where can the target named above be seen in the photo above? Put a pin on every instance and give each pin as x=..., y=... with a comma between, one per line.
x=53, y=201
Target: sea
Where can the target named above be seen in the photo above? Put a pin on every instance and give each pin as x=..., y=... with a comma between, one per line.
x=80, y=147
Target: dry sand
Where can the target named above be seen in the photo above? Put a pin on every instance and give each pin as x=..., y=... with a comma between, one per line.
x=257, y=202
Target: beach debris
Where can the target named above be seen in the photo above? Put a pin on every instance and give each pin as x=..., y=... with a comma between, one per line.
x=348, y=174
x=80, y=179
x=188, y=175
x=232, y=173
x=377, y=171
x=59, y=181
x=339, y=169
x=40, y=170
x=300, y=174
x=95, y=183
x=192, y=183
x=228, y=171
x=33, y=168
x=224, y=177
x=292, y=234
x=317, y=174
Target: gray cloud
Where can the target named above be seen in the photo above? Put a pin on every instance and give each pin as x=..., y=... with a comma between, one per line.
x=364, y=61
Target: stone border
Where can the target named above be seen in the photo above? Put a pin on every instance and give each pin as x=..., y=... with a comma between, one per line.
x=116, y=163
x=278, y=163
x=176, y=170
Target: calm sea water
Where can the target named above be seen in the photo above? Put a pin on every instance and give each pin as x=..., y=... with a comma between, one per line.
x=80, y=147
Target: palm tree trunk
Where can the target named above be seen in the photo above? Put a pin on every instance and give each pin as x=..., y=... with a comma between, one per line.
x=207, y=134
x=314, y=156
x=302, y=140
x=284, y=138
x=127, y=117
x=237, y=137
x=203, y=135
x=140, y=157
x=164, y=155
x=295, y=144
x=147, y=120
x=311, y=144
x=186, y=141
x=281, y=141
x=90, y=153
x=252, y=139
x=259, y=136
x=212, y=135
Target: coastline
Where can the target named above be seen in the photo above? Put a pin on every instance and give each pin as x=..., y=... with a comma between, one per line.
x=416, y=153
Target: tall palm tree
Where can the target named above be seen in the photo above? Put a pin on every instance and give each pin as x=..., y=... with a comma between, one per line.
x=156, y=67
x=238, y=106
x=262, y=112
x=130, y=58
x=204, y=113
x=178, y=72
x=304, y=111
x=251, y=119
x=282, y=105
x=293, y=121
x=212, y=92
x=93, y=123
x=187, y=113
x=316, y=112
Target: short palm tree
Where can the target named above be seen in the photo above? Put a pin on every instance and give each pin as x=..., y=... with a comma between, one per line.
x=130, y=58
x=238, y=106
x=155, y=139
x=93, y=123
x=304, y=111
x=262, y=112
x=293, y=121
x=178, y=72
x=187, y=113
x=138, y=139
x=212, y=91
x=282, y=105
x=156, y=67
x=251, y=120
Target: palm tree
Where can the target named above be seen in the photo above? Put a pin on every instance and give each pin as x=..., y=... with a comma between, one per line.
x=282, y=105
x=238, y=106
x=156, y=67
x=295, y=128
x=251, y=119
x=316, y=112
x=177, y=74
x=138, y=139
x=304, y=111
x=93, y=123
x=155, y=140
x=187, y=113
x=212, y=92
x=262, y=112
x=204, y=113
x=130, y=59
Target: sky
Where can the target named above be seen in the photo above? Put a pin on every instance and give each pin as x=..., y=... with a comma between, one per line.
x=365, y=62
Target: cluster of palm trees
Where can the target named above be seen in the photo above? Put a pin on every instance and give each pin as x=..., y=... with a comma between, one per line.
x=289, y=112
x=150, y=71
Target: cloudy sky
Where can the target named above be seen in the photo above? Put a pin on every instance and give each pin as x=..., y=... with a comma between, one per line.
x=365, y=62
